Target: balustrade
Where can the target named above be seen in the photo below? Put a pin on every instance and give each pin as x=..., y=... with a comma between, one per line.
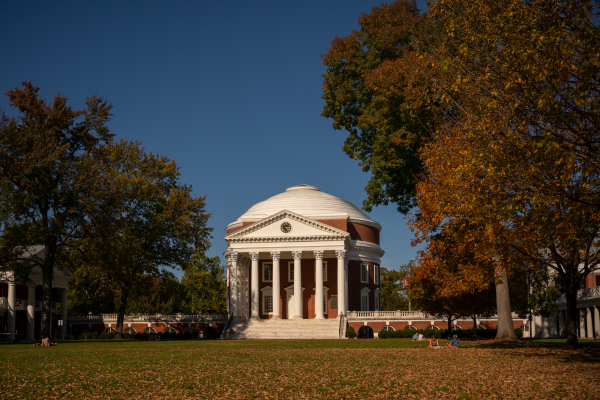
x=152, y=317
x=581, y=294
x=386, y=315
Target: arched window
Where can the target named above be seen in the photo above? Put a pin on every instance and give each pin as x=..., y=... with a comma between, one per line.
x=481, y=327
x=365, y=331
x=410, y=328
x=109, y=330
x=432, y=328
x=149, y=330
x=457, y=328
x=210, y=333
x=524, y=328
x=190, y=330
x=387, y=328
x=170, y=330
x=130, y=330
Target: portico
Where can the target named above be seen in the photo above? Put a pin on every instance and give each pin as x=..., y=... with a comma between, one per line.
x=298, y=255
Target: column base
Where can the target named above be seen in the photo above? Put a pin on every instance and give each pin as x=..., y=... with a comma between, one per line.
x=297, y=316
x=319, y=317
x=275, y=317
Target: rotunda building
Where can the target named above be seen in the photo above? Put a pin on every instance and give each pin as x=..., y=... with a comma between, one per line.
x=303, y=254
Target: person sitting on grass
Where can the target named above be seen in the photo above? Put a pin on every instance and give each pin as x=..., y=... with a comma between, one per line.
x=46, y=341
x=433, y=342
x=421, y=337
x=453, y=342
x=416, y=336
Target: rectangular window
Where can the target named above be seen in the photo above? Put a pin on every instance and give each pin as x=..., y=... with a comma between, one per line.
x=376, y=302
x=291, y=271
x=324, y=271
x=377, y=274
x=324, y=305
x=364, y=302
x=364, y=273
x=267, y=272
x=597, y=280
x=268, y=299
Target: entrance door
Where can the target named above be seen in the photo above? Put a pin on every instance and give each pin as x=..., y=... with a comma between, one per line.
x=290, y=306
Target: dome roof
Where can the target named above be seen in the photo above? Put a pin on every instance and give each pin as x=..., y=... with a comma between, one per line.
x=308, y=201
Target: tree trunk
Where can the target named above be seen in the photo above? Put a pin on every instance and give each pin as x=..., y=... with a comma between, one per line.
x=449, y=324
x=121, y=312
x=506, y=331
x=571, y=313
x=47, y=276
x=474, y=325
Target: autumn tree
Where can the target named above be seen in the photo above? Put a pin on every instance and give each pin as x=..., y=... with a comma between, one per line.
x=48, y=177
x=155, y=294
x=519, y=153
x=365, y=93
x=204, y=286
x=148, y=222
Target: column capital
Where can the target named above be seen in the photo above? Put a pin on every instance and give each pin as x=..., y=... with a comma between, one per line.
x=297, y=255
x=276, y=255
x=233, y=256
x=340, y=254
x=254, y=255
x=319, y=254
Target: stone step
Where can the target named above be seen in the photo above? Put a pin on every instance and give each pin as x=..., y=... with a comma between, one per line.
x=285, y=329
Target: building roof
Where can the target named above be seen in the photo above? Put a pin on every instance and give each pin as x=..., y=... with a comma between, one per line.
x=308, y=201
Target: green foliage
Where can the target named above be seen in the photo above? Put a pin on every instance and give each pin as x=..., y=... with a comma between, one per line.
x=393, y=293
x=363, y=94
x=91, y=290
x=48, y=180
x=155, y=294
x=533, y=290
x=350, y=332
x=204, y=286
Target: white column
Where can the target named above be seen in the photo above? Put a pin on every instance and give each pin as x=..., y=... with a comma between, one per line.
x=228, y=291
x=319, y=284
x=341, y=281
x=234, y=284
x=11, y=314
x=297, y=284
x=30, y=312
x=254, y=286
x=63, y=312
x=346, y=275
x=276, y=255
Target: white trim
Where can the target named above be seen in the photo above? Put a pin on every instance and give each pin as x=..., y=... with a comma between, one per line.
x=263, y=271
x=361, y=273
x=267, y=291
x=364, y=296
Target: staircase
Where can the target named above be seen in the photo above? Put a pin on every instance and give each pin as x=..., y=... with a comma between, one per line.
x=285, y=329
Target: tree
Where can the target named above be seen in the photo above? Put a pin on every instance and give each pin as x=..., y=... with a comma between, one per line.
x=148, y=221
x=518, y=152
x=533, y=291
x=90, y=290
x=160, y=294
x=365, y=93
x=204, y=284
x=393, y=292
x=47, y=179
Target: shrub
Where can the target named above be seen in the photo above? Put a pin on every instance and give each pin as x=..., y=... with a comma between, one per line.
x=350, y=332
x=179, y=335
x=519, y=333
x=187, y=335
x=111, y=335
x=165, y=336
x=137, y=336
x=144, y=336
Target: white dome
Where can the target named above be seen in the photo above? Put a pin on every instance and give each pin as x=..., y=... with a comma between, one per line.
x=309, y=202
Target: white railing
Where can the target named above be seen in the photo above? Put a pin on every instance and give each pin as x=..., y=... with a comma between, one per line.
x=387, y=315
x=3, y=303
x=20, y=303
x=152, y=317
x=582, y=294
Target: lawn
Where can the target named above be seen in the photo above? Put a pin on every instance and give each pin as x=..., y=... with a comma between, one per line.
x=386, y=368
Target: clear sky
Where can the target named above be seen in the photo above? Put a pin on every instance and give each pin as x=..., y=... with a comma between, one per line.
x=231, y=90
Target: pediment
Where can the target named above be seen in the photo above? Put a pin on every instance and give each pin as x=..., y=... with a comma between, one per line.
x=271, y=227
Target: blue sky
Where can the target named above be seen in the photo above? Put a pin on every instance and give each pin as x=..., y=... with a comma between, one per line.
x=231, y=90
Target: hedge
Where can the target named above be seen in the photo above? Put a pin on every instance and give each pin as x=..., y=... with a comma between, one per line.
x=443, y=333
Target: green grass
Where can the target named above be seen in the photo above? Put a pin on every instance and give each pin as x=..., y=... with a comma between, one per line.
x=296, y=368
